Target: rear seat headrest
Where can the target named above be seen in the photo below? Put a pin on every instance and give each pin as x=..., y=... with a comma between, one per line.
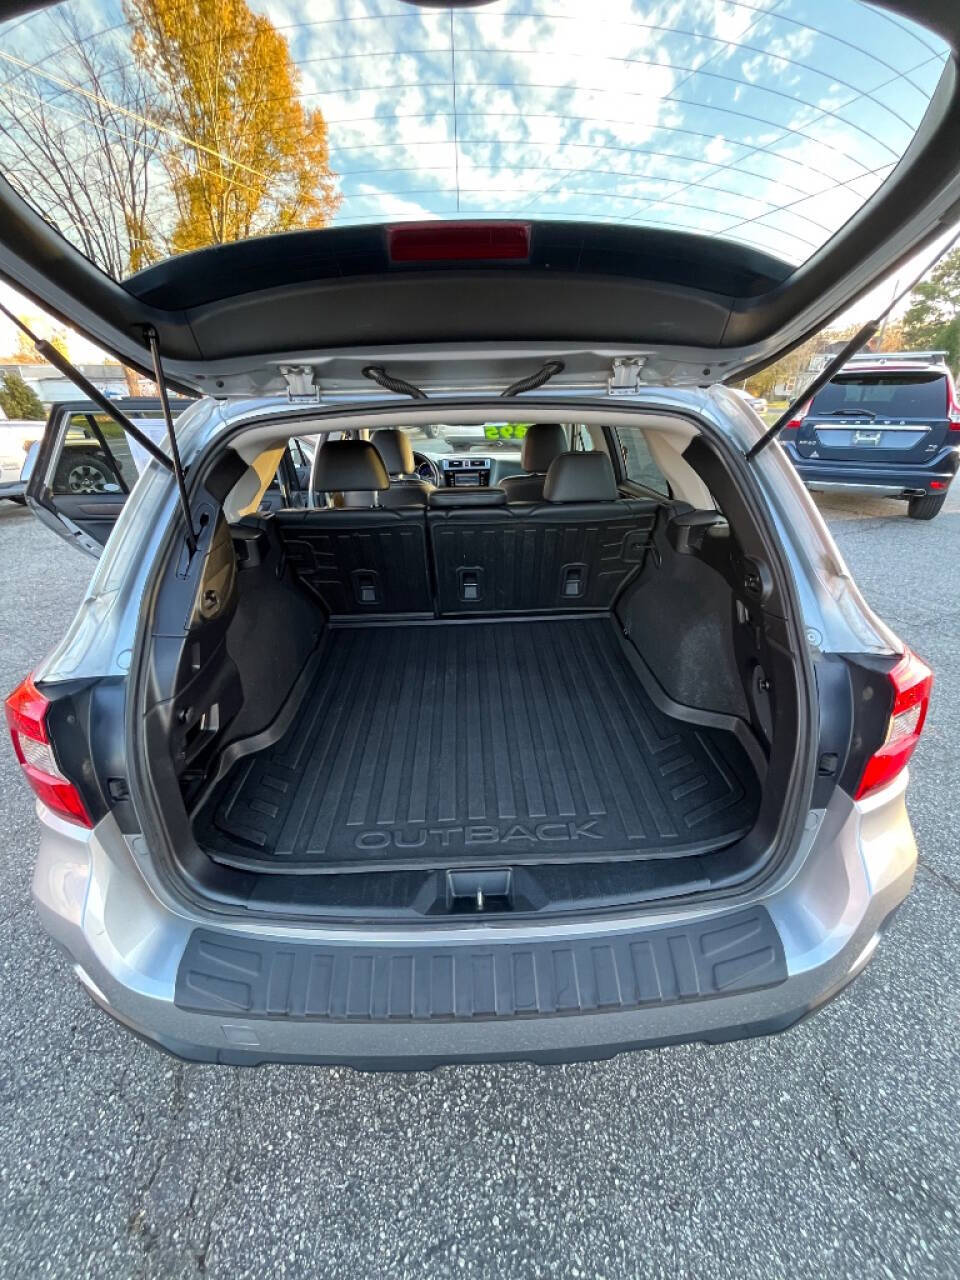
x=580, y=477
x=543, y=442
x=467, y=498
x=349, y=465
x=394, y=447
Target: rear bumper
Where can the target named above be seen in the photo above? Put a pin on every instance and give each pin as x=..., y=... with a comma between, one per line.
x=888, y=480
x=139, y=958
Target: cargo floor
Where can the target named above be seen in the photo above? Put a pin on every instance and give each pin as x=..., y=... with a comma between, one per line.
x=475, y=744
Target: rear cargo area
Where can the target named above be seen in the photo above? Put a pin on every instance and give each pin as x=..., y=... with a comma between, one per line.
x=384, y=711
x=472, y=743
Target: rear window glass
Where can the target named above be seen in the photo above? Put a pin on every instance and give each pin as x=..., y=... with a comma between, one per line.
x=140, y=130
x=901, y=395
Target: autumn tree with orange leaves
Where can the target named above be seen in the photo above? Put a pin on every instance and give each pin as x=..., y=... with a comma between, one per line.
x=243, y=155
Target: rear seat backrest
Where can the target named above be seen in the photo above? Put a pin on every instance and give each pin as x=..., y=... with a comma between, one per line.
x=361, y=558
x=573, y=551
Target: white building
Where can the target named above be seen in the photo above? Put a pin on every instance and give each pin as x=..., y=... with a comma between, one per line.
x=52, y=387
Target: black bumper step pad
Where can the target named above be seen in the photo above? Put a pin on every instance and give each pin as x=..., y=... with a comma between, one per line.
x=248, y=977
x=477, y=744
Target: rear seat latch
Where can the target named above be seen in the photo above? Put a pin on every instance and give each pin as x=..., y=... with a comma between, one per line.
x=366, y=587
x=573, y=581
x=469, y=583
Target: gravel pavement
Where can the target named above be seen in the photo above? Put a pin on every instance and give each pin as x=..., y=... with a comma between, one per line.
x=832, y=1150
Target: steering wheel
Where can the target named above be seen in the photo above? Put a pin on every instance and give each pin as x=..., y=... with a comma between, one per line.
x=427, y=469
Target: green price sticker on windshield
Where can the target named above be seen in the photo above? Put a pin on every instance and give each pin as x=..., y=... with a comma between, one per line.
x=505, y=430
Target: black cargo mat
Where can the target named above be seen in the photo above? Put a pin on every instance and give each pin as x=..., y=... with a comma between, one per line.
x=478, y=743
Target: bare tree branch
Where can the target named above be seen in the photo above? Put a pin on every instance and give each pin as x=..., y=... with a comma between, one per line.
x=87, y=160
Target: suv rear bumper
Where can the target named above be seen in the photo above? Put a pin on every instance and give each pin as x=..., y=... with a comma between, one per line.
x=886, y=480
x=736, y=971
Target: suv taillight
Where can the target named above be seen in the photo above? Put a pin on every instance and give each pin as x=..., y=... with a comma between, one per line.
x=797, y=420
x=26, y=710
x=912, y=681
x=953, y=408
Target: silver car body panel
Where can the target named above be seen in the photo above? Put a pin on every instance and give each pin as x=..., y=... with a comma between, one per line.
x=127, y=943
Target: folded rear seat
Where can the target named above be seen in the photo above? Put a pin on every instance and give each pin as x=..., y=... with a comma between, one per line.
x=359, y=559
x=571, y=552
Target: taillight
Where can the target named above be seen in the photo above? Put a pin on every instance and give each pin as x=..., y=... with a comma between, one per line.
x=953, y=408
x=797, y=420
x=26, y=711
x=912, y=681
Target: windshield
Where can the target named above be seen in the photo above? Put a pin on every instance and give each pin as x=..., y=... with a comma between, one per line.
x=146, y=128
x=887, y=395
x=500, y=439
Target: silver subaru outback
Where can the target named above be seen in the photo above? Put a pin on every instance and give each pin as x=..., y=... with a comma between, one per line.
x=467, y=675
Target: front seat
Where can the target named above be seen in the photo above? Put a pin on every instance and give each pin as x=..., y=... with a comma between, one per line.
x=543, y=442
x=406, y=487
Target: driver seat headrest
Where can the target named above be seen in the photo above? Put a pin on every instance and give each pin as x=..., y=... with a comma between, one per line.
x=350, y=467
x=543, y=442
x=394, y=447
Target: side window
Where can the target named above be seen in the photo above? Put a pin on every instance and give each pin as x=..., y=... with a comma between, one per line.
x=581, y=440
x=638, y=465
x=291, y=480
x=95, y=458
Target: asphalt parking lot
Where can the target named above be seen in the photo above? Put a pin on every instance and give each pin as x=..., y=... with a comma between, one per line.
x=833, y=1150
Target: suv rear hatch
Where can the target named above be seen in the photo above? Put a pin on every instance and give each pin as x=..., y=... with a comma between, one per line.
x=878, y=416
x=683, y=246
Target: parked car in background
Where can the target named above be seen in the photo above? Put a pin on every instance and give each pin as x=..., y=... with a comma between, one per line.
x=757, y=403
x=888, y=425
x=16, y=437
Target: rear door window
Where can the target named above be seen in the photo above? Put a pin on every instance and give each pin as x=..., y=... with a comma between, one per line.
x=885, y=395
x=95, y=459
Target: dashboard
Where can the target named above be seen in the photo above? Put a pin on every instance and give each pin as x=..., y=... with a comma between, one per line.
x=466, y=470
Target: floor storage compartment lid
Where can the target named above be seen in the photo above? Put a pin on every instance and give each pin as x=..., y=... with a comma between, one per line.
x=477, y=744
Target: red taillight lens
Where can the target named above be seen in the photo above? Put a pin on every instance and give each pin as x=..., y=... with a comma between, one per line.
x=797, y=420
x=26, y=711
x=912, y=681
x=459, y=242
x=953, y=408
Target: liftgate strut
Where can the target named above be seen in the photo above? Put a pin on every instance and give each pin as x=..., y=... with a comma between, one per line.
x=70, y=370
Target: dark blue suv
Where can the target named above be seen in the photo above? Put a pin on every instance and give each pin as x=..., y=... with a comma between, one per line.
x=888, y=425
